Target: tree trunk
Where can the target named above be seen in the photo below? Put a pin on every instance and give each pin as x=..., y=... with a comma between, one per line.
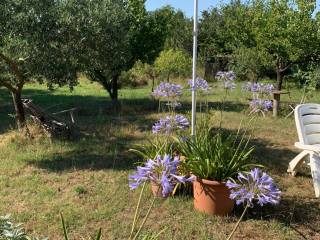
x=279, y=79
x=276, y=96
x=152, y=84
x=19, y=109
x=114, y=91
x=208, y=70
x=110, y=85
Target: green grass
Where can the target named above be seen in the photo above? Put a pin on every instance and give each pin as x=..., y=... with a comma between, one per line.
x=86, y=179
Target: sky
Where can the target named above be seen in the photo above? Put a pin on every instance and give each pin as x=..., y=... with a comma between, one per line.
x=187, y=5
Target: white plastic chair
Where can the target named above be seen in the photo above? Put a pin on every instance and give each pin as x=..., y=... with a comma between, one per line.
x=307, y=118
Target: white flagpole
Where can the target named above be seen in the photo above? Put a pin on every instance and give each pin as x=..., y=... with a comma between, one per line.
x=194, y=67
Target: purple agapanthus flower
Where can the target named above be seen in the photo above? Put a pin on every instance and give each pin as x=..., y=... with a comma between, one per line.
x=200, y=84
x=229, y=75
x=170, y=123
x=257, y=88
x=227, y=78
x=261, y=105
x=255, y=186
x=230, y=85
x=162, y=171
x=268, y=88
x=167, y=90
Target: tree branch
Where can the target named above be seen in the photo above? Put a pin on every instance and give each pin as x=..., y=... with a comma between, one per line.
x=286, y=68
x=15, y=69
x=8, y=85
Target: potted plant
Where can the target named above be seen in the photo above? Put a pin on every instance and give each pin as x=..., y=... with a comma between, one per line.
x=214, y=157
x=161, y=172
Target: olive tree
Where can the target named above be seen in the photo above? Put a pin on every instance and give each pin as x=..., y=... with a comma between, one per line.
x=32, y=48
x=98, y=36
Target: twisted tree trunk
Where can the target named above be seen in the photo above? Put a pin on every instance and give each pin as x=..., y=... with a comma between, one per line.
x=19, y=109
x=16, y=89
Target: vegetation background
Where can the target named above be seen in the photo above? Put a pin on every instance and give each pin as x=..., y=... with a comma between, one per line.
x=104, y=58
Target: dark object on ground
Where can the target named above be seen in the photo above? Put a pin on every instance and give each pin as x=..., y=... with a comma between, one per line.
x=52, y=125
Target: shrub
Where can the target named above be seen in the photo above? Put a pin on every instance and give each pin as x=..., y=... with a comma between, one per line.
x=173, y=63
x=140, y=74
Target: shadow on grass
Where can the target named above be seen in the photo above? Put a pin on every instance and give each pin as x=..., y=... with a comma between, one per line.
x=272, y=157
x=93, y=153
x=96, y=118
x=228, y=106
x=265, y=153
x=300, y=214
x=95, y=113
x=88, y=107
x=75, y=160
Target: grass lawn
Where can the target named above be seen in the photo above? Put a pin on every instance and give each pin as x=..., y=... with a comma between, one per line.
x=87, y=179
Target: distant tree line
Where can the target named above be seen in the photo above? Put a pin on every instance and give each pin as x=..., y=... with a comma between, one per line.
x=52, y=41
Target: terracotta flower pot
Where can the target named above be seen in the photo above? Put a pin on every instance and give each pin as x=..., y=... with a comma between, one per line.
x=212, y=197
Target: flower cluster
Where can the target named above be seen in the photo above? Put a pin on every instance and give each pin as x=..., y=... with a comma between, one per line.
x=170, y=123
x=228, y=79
x=199, y=84
x=167, y=90
x=229, y=85
x=254, y=186
x=258, y=88
x=161, y=171
x=261, y=105
x=229, y=75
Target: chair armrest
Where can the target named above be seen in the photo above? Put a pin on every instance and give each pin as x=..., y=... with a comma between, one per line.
x=311, y=148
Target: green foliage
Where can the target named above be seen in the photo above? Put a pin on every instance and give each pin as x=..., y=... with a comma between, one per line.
x=216, y=155
x=139, y=75
x=249, y=63
x=98, y=37
x=31, y=44
x=33, y=47
x=226, y=29
x=152, y=148
x=177, y=28
x=11, y=231
x=80, y=190
x=308, y=80
x=287, y=33
x=147, y=33
x=173, y=63
x=261, y=35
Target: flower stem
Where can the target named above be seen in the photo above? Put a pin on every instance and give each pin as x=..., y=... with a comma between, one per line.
x=145, y=218
x=238, y=223
x=137, y=210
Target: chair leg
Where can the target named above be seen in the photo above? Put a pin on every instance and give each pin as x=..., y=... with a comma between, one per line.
x=315, y=172
x=292, y=111
x=293, y=165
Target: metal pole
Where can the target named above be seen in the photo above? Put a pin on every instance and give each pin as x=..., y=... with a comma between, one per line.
x=194, y=67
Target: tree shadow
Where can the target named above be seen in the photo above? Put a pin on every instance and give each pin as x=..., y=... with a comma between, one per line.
x=265, y=152
x=80, y=160
x=88, y=107
x=272, y=157
x=227, y=106
x=300, y=214
x=95, y=117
